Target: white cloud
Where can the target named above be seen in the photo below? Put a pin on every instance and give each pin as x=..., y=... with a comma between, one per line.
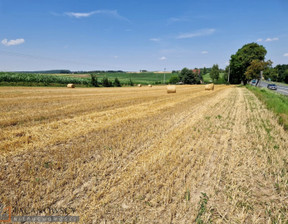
x=285, y=55
x=268, y=39
x=12, y=42
x=112, y=13
x=199, y=33
x=155, y=39
x=116, y=57
x=271, y=39
x=79, y=14
x=204, y=52
x=163, y=58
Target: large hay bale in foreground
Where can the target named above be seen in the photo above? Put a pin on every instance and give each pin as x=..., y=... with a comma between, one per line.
x=139, y=85
x=171, y=89
x=70, y=85
x=209, y=87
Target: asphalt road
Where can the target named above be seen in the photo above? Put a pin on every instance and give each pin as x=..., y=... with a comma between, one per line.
x=280, y=88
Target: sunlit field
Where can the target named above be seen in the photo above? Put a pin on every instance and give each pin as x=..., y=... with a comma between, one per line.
x=140, y=155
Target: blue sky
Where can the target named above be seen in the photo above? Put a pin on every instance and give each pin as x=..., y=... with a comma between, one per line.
x=131, y=34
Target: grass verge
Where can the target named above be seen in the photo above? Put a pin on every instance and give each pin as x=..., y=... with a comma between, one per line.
x=275, y=102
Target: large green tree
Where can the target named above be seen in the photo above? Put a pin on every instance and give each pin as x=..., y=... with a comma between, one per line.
x=282, y=73
x=240, y=61
x=214, y=74
x=285, y=75
x=270, y=73
x=204, y=71
x=255, y=68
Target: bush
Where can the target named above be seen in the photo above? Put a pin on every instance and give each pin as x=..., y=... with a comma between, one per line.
x=106, y=82
x=130, y=83
x=94, y=81
x=174, y=79
x=117, y=83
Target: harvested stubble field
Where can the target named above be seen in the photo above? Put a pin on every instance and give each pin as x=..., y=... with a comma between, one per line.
x=140, y=155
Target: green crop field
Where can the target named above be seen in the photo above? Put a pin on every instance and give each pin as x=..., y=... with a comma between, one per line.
x=27, y=79
x=24, y=79
x=142, y=78
x=84, y=80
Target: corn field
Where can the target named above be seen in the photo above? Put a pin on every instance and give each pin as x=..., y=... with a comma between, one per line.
x=41, y=79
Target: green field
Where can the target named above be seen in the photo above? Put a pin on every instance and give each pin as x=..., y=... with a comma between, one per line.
x=23, y=79
x=84, y=80
x=137, y=78
x=207, y=78
x=31, y=79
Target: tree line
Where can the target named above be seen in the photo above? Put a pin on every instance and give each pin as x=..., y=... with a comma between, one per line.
x=195, y=76
x=106, y=82
x=246, y=64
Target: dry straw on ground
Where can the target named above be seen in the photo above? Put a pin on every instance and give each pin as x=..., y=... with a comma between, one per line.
x=171, y=89
x=70, y=85
x=193, y=157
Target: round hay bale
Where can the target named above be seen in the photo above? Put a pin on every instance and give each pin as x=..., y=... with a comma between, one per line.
x=209, y=87
x=149, y=85
x=171, y=89
x=139, y=85
x=70, y=85
x=212, y=86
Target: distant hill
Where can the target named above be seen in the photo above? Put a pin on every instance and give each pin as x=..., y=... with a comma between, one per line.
x=60, y=71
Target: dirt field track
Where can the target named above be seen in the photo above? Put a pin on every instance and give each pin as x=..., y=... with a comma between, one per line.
x=140, y=155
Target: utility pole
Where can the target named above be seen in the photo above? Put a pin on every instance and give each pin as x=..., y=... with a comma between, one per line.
x=164, y=76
